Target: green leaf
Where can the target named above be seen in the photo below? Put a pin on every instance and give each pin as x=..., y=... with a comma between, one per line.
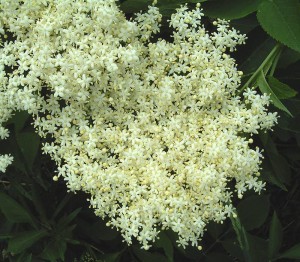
x=280, y=167
x=253, y=211
x=245, y=24
x=275, y=236
x=111, y=257
x=169, y=7
x=146, y=256
x=241, y=233
x=97, y=231
x=22, y=190
x=5, y=237
x=133, y=6
x=19, y=120
x=290, y=124
x=264, y=67
x=265, y=88
x=294, y=105
x=25, y=257
x=215, y=229
x=13, y=211
x=281, y=20
x=281, y=90
x=258, y=248
x=66, y=220
x=24, y=240
x=257, y=57
x=165, y=243
x=233, y=248
x=288, y=57
x=292, y=253
x=196, y=1
x=217, y=257
x=104, y=232
x=54, y=250
x=230, y=9
x=29, y=143
x=66, y=233
x=267, y=175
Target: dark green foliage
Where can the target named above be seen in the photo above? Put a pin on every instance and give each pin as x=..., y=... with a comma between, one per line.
x=230, y=9
x=259, y=206
x=13, y=211
x=23, y=240
x=281, y=19
x=40, y=221
x=275, y=237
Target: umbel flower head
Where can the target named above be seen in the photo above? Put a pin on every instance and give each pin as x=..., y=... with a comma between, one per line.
x=153, y=130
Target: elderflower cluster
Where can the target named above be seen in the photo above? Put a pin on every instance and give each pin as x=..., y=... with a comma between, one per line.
x=153, y=130
x=5, y=111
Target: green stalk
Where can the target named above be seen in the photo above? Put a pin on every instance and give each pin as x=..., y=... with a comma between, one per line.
x=271, y=59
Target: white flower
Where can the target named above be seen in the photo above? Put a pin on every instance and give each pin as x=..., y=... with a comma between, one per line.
x=5, y=160
x=153, y=131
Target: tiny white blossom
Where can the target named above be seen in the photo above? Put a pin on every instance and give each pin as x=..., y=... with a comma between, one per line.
x=152, y=129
